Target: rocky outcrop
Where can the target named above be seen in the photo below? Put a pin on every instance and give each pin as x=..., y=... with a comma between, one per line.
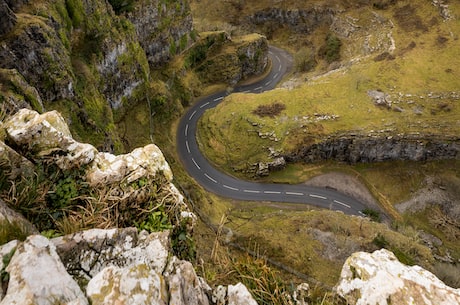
x=48, y=136
x=40, y=56
x=8, y=18
x=298, y=20
x=98, y=266
x=379, y=278
x=356, y=149
x=242, y=58
x=37, y=276
x=130, y=182
x=118, y=266
x=83, y=58
x=164, y=28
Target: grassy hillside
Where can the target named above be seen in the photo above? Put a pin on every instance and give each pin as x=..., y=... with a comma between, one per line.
x=419, y=75
x=405, y=49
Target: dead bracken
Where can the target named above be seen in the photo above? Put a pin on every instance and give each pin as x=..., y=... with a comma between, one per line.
x=271, y=110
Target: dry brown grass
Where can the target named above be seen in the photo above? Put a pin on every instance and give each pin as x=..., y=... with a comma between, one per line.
x=270, y=110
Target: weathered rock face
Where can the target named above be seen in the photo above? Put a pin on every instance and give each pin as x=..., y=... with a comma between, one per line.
x=40, y=56
x=118, y=266
x=132, y=180
x=243, y=57
x=355, y=149
x=18, y=93
x=379, y=278
x=164, y=28
x=88, y=60
x=300, y=21
x=8, y=18
x=48, y=135
x=37, y=276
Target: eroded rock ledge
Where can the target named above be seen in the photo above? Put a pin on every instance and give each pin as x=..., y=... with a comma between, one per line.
x=362, y=149
x=117, y=266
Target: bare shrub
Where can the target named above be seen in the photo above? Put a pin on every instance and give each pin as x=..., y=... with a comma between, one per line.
x=271, y=110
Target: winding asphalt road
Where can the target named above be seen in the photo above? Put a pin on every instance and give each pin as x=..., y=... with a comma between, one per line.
x=224, y=185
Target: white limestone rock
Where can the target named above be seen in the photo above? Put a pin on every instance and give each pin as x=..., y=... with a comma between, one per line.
x=378, y=278
x=239, y=295
x=138, y=284
x=142, y=162
x=185, y=287
x=47, y=136
x=89, y=252
x=232, y=295
x=37, y=276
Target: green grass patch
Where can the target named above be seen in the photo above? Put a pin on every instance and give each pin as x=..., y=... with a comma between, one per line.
x=419, y=80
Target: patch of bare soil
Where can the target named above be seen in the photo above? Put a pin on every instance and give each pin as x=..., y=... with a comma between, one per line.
x=348, y=185
x=445, y=193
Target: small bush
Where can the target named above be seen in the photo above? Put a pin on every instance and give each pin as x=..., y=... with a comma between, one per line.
x=372, y=214
x=330, y=51
x=121, y=6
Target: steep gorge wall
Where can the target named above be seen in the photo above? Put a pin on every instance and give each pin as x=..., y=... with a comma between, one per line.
x=87, y=62
x=356, y=149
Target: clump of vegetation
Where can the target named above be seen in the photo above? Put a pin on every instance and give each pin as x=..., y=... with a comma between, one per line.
x=61, y=202
x=372, y=214
x=5, y=276
x=202, y=48
x=12, y=231
x=121, y=6
x=404, y=257
x=304, y=60
x=330, y=51
x=270, y=110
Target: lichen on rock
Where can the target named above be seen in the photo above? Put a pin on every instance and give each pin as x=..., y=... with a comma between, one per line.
x=379, y=278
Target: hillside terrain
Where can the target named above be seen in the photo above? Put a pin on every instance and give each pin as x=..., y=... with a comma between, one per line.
x=372, y=103
x=370, y=108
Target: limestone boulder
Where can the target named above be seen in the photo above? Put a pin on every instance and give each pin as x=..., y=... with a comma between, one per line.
x=185, y=287
x=138, y=284
x=37, y=276
x=87, y=253
x=47, y=136
x=379, y=278
x=144, y=162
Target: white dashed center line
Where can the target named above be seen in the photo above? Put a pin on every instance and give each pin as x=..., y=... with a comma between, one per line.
x=193, y=113
x=294, y=193
x=188, y=147
x=196, y=164
x=186, y=129
x=210, y=178
x=341, y=203
x=218, y=99
x=251, y=191
x=318, y=196
x=230, y=187
x=204, y=105
x=272, y=192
